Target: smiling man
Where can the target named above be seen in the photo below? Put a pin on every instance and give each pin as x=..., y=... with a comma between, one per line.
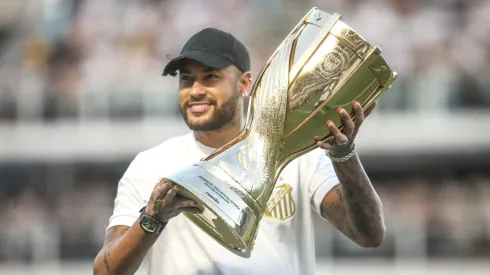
x=214, y=78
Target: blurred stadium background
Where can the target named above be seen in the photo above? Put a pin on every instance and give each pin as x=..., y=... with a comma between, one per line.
x=81, y=94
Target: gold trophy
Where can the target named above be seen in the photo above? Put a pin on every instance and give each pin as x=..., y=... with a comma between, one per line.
x=321, y=65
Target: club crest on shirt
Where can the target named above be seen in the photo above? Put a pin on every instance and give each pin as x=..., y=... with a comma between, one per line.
x=281, y=205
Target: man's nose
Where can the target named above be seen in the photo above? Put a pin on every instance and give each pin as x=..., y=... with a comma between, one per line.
x=197, y=90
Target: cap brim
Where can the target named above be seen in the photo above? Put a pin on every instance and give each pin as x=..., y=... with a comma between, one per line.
x=209, y=59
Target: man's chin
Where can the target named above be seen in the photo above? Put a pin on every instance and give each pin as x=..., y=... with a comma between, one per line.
x=199, y=117
x=198, y=123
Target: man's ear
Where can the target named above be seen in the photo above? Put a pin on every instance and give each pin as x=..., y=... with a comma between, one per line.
x=245, y=83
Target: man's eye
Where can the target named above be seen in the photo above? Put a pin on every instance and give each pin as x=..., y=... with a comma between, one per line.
x=211, y=76
x=185, y=78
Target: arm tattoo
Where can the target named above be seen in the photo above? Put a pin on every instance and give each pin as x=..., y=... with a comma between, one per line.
x=358, y=211
x=112, y=234
x=335, y=212
x=107, y=253
x=340, y=195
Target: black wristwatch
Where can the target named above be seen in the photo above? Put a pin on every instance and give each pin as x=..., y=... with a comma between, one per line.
x=149, y=224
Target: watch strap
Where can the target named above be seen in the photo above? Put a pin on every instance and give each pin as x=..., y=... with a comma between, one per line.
x=150, y=224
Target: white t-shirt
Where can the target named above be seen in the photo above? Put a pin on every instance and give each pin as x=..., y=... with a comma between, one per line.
x=285, y=241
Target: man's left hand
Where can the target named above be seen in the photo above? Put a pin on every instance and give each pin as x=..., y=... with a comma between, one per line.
x=341, y=143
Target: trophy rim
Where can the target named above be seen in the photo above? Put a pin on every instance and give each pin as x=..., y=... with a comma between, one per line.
x=245, y=253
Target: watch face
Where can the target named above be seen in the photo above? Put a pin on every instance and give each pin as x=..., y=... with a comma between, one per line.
x=149, y=225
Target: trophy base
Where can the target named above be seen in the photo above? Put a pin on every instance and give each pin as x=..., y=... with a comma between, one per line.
x=227, y=217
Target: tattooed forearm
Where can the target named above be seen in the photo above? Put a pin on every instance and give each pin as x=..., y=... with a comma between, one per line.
x=107, y=253
x=333, y=209
x=112, y=234
x=124, y=250
x=359, y=210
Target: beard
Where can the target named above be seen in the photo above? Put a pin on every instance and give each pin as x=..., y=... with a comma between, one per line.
x=218, y=117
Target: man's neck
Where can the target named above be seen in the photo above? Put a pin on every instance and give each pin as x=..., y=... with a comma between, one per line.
x=220, y=137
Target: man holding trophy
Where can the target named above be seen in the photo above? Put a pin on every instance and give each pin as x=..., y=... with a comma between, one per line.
x=247, y=185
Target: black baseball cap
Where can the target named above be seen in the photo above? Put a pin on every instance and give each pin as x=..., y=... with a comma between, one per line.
x=214, y=48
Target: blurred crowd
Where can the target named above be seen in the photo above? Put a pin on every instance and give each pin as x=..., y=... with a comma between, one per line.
x=45, y=218
x=102, y=59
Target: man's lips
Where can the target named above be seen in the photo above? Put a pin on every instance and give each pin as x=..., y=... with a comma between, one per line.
x=199, y=107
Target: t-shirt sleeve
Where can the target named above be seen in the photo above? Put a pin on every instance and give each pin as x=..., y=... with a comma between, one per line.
x=322, y=177
x=129, y=201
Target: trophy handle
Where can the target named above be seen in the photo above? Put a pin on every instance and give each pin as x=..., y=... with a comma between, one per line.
x=312, y=17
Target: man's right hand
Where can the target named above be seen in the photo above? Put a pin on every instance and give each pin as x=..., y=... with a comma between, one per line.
x=125, y=247
x=165, y=204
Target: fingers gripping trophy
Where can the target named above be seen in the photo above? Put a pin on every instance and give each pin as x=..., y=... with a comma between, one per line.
x=320, y=66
